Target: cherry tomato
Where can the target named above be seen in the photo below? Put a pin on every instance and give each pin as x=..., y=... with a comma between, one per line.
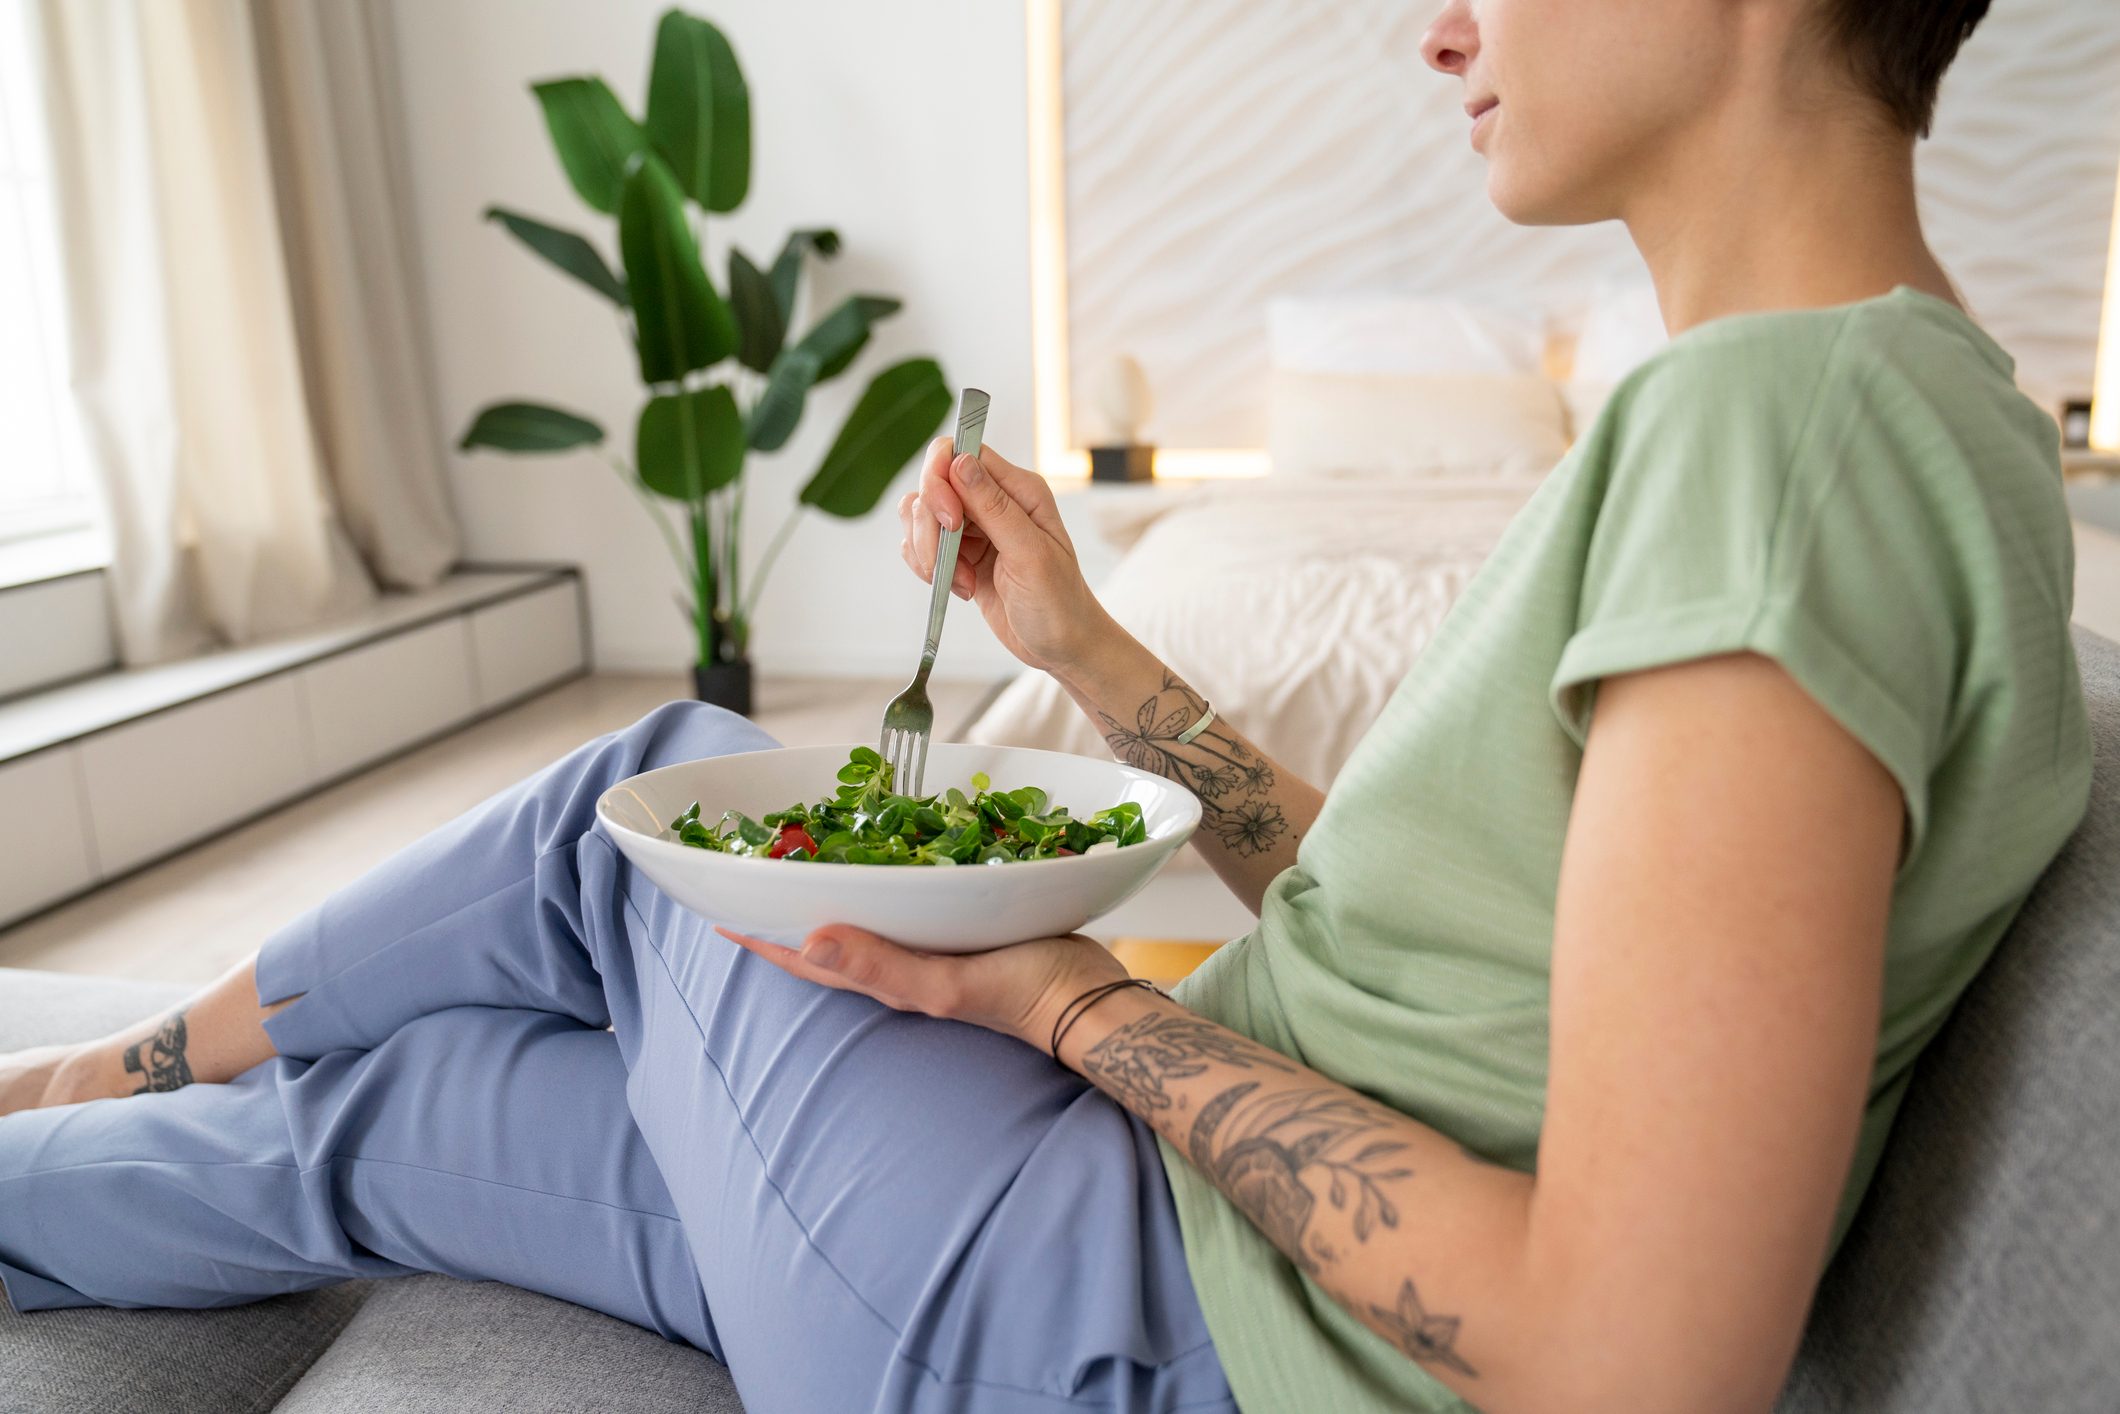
x=792, y=837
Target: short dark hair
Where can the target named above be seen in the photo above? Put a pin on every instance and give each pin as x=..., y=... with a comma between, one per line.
x=1899, y=49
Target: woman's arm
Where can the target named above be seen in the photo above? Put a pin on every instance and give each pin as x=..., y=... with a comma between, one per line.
x=1717, y=975
x=1018, y=564
x=1252, y=812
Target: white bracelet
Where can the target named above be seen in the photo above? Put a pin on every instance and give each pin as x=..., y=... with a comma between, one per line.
x=1196, y=728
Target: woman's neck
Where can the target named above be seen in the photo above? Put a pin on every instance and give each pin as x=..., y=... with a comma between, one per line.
x=1817, y=212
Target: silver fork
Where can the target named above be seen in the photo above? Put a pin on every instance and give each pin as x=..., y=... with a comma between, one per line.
x=909, y=721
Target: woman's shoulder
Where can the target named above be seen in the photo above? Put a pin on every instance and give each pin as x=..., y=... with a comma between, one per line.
x=1904, y=377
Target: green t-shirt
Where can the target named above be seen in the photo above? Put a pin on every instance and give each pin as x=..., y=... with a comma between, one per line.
x=1861, y=494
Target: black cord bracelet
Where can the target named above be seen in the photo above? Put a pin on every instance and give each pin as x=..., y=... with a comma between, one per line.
x=1075, y=1010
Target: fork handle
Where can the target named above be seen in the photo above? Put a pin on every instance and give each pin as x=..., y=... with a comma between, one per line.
x=939, y=597
x=971, y=429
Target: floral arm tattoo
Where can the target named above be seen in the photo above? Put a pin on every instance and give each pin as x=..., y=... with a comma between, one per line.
x=1318, y=1168
x=1234, y=782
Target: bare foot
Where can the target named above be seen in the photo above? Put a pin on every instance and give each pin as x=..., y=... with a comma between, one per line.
x=58, y=1075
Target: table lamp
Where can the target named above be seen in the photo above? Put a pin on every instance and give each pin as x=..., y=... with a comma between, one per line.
x=2105, y=388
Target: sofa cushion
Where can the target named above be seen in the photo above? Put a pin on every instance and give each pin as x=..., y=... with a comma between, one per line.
x=430, y=1343
x=46, y=1008
x=434, y=1345
x=1983, y=1270
x=94, y=1361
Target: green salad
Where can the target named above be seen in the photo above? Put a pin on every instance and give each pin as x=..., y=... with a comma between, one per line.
x=866, y=822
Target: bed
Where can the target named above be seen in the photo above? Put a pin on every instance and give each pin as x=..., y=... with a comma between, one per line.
x=1405, y=433
x=1296, y=607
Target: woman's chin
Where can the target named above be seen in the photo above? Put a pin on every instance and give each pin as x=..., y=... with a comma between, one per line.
x=1528, y=199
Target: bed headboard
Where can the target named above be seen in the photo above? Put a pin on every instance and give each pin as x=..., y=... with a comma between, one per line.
x=1217, y=153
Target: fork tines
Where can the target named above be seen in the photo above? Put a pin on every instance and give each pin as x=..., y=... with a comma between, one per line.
x=905, y=751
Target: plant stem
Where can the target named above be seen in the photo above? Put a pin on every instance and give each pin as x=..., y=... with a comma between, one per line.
x=703, y=583
x=739, y=621
x=724, y=563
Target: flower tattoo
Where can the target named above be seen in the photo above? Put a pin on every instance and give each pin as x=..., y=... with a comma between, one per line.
x=1250, y=828
x=1234, y=782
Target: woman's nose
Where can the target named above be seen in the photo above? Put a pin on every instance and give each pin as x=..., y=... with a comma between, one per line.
x=1453, y=39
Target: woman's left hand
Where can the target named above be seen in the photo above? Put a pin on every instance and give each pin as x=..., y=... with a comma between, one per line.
x=1017, y=990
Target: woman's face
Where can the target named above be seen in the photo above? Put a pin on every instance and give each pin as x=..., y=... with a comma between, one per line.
x=1575, y=103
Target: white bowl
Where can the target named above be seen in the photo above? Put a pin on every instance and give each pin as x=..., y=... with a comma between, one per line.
x=963, y=909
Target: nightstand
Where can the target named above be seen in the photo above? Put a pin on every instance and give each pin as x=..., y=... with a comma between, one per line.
x=2082, y=464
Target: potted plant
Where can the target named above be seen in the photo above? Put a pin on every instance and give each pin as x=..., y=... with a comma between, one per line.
x=660, y=177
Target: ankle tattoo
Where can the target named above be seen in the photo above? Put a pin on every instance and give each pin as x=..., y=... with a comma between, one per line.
x=159, y=1060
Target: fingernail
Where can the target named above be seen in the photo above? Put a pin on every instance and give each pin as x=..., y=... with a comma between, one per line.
x=945, y=520
x=823, y=951
x=968, y=469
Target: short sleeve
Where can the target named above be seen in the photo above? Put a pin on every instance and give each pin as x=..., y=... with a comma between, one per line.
x=1765, y=495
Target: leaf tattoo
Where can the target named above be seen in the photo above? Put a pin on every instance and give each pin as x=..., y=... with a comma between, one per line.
x=1233, y=783
x=1281, y=1155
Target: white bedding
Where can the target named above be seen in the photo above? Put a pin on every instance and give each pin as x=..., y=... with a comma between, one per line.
x=1295, y=606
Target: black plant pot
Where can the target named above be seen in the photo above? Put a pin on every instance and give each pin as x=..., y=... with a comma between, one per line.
x=724, y=684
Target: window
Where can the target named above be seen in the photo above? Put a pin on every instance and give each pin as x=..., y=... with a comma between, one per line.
x=44, y=485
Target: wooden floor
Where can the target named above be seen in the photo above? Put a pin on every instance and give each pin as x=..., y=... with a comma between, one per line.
x=189, y=917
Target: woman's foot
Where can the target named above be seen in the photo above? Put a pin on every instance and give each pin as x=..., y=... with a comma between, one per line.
x=214, y=1037
x=58, y=1075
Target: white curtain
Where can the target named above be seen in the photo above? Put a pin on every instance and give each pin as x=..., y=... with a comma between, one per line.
x=332, y=109
x=219, y=445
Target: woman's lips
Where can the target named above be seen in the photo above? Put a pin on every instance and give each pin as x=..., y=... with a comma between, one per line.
x=1480, y=113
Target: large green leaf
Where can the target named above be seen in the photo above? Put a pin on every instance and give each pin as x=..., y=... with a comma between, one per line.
x=759, y=327
x=887, y=428
x=787, y=266
x=594, y=136
x=779, y=405
x=699, y=113
x=529, y=427
x=688, y=444
x=822, y=353
x=679, y=322
x=837, y=337
x=565, y=249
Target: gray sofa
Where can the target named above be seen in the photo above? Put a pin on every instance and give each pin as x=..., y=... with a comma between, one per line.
x=1982, y=1274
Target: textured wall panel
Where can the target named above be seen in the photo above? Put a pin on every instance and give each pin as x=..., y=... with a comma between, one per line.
x=1222, y=152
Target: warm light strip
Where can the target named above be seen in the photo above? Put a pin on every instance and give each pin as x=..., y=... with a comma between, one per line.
x=1048, y=131
x=2105, y=388
x=1051, y=434
x=1172, y=463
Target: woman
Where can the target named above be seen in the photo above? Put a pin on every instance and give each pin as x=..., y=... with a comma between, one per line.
x=1575, y=1016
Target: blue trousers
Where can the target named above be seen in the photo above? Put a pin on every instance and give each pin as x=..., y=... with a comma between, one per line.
x=513, y=1059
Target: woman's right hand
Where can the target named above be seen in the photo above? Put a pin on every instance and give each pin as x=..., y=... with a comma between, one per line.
x=1016, y=562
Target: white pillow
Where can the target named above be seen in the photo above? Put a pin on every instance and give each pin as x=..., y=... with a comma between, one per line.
x=1378, y=424
x=1623, y=327
x=1366, y=333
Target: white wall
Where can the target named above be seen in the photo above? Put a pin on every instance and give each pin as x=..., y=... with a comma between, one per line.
x=1302, y=149
x=902, y=125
